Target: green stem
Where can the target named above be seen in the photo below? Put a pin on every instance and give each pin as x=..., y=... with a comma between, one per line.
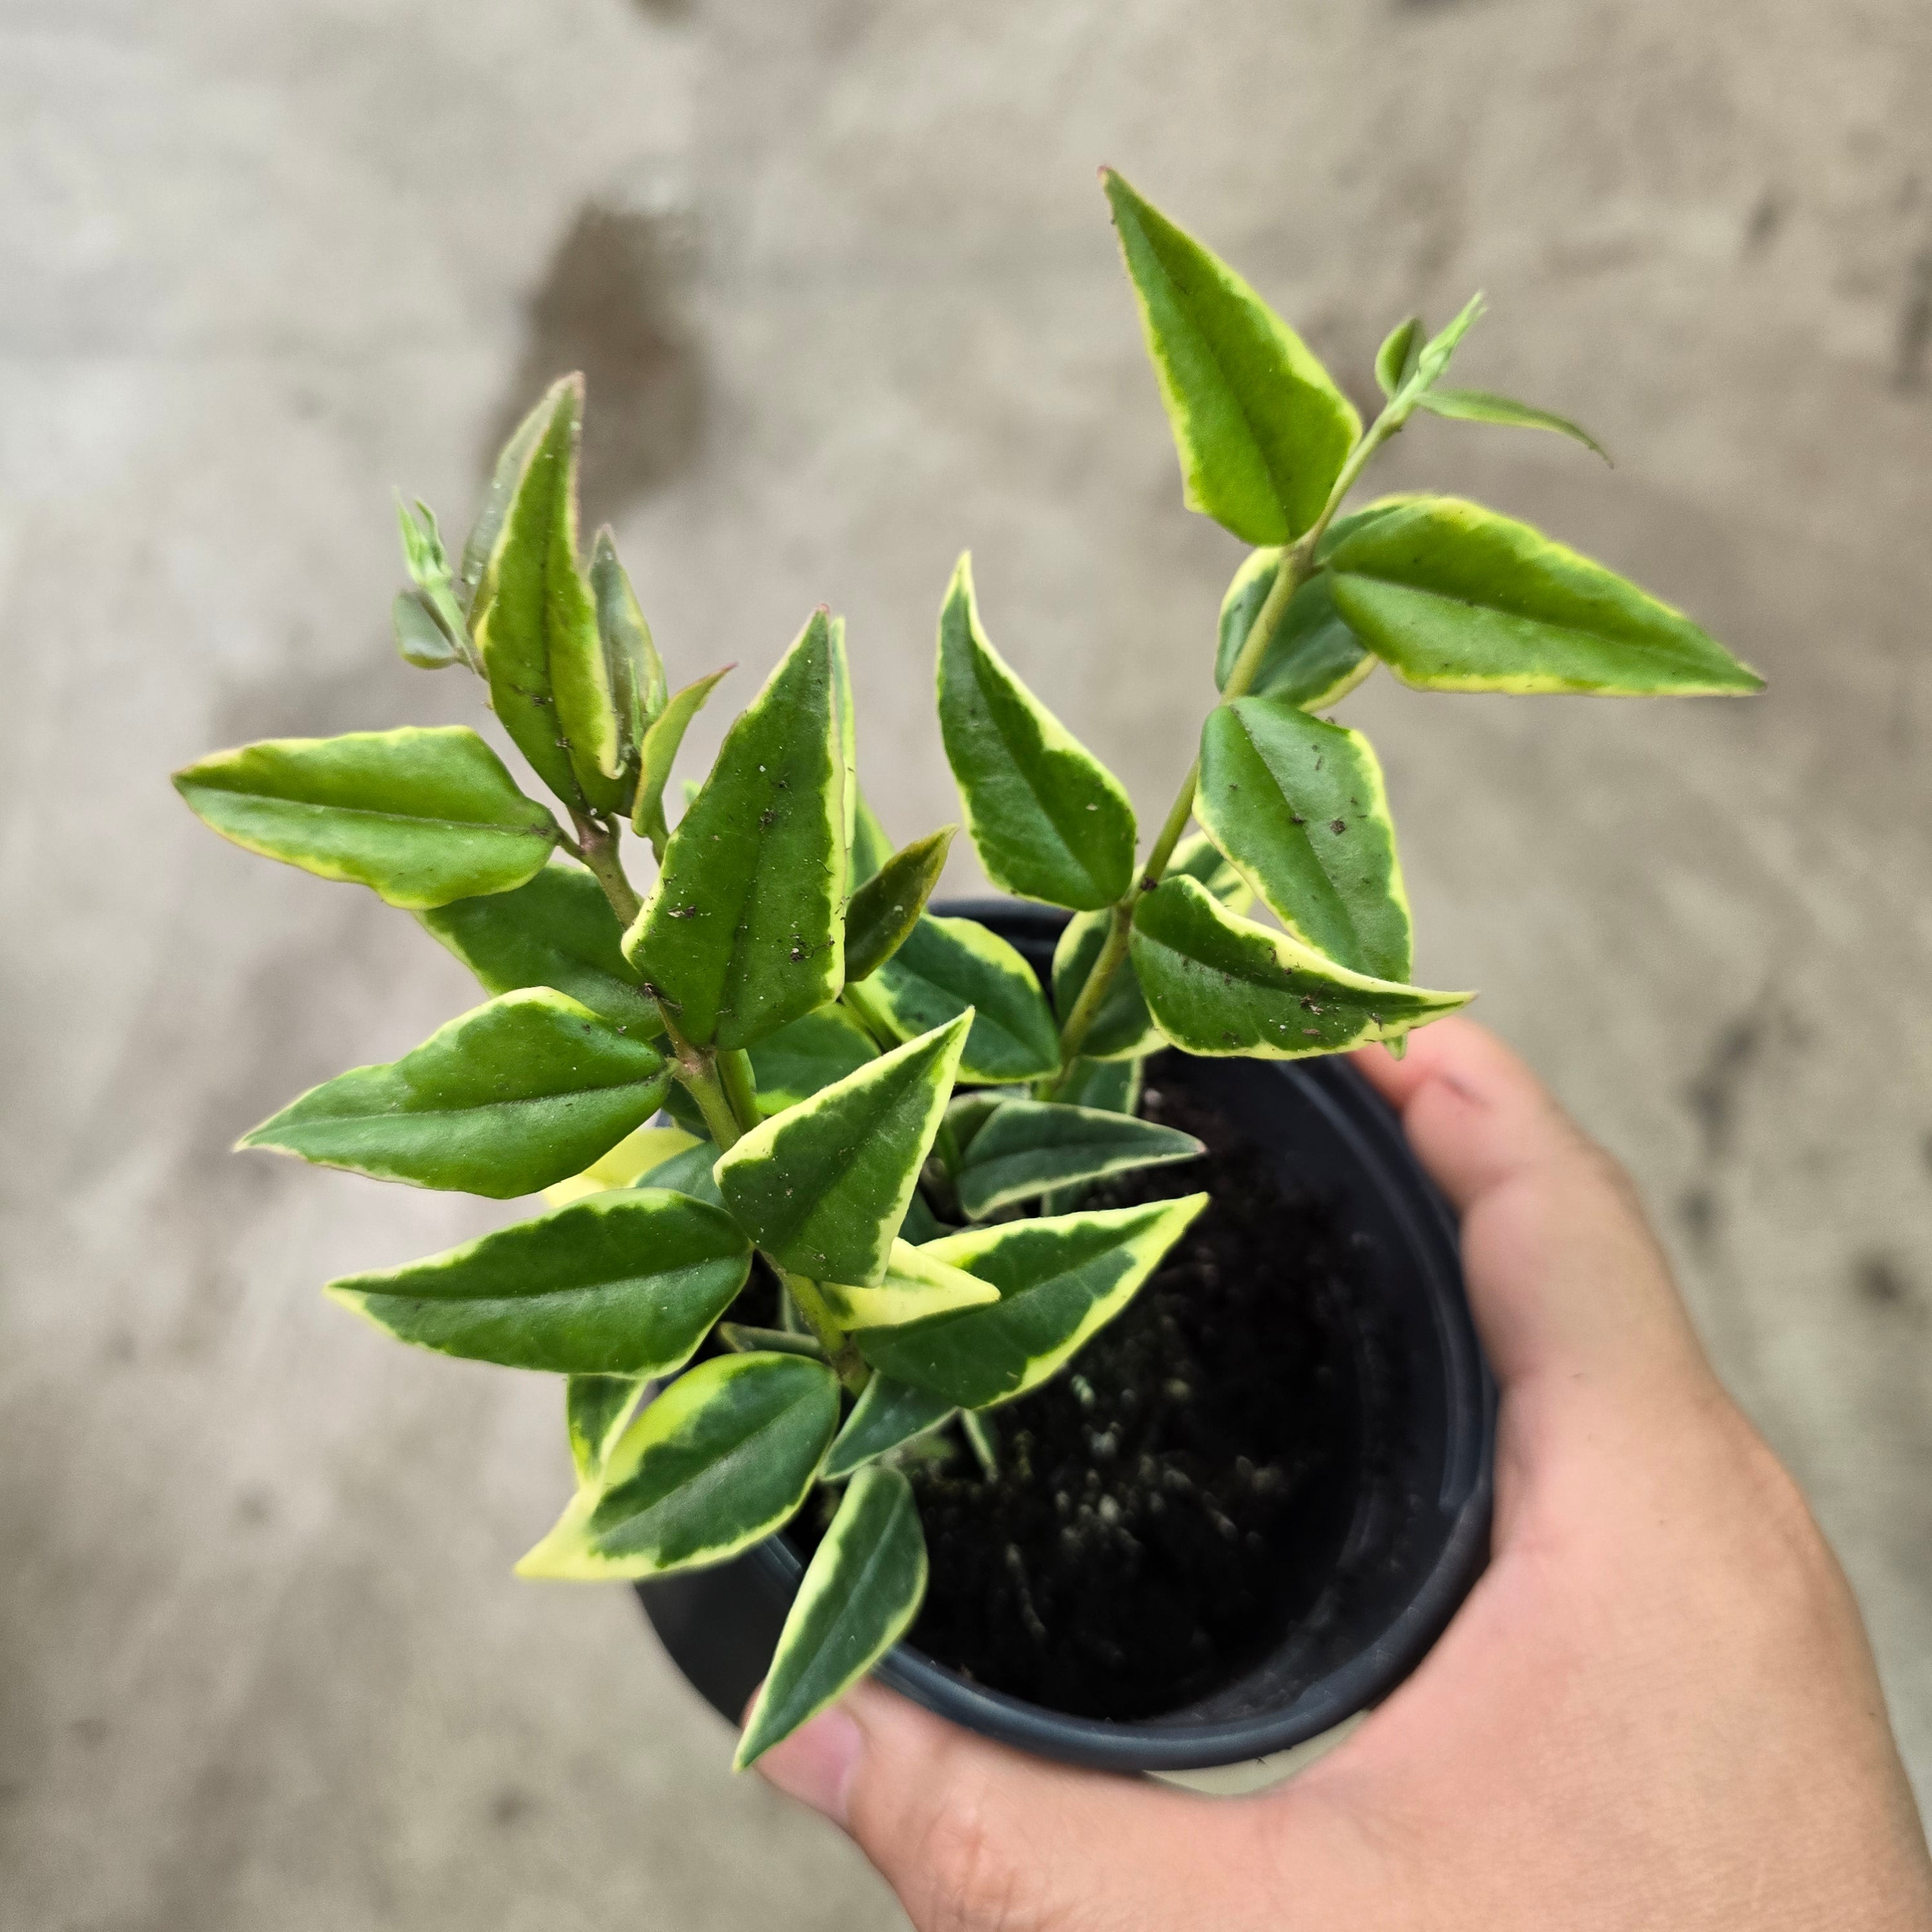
x=723, y=1085
x=838, y=1346
x=694, y=1067
x=740, y=1085
x=1113, y=950
x=597, y=840
x=697, y=1071
x=1297, y=566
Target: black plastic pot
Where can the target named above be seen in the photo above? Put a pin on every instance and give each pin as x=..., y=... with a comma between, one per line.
x=1334, y=1135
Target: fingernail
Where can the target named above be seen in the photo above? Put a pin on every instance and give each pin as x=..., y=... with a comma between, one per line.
x=815, y=1764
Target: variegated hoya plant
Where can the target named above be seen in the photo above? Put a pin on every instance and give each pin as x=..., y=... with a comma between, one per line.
x=879, y=1105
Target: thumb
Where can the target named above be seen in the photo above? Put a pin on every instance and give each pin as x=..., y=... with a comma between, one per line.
x=1565, y=1278
x=970, y=1835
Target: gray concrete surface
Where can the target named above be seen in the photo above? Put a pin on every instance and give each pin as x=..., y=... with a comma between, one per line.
x=840, y=278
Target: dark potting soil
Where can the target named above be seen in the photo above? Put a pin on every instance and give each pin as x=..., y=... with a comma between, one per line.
x=1211, y=1475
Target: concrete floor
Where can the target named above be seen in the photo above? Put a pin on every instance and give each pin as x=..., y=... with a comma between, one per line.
x=842, y=279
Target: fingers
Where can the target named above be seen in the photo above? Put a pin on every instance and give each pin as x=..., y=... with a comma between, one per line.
x=970, y=1835
x=1474, y=1114
x=1564, y=1276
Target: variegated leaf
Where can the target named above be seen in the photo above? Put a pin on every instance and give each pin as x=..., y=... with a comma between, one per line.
x=621, y=1284
x=1299, y=807
x=822, y=1187
x=1061, y=1278
x=557, y=931
x=744, y=928
x=714, y=1463
x=1261, y=429
x=421, y=816
x=596, y=1408
x=1454, y=597
x=1029, y=1147
x=887, y=1414
x=861, y=1591
x=535, y=622
x=1048, y=820
x=507, y=1099
x=948, y=967
x=916, y=1285
x=1220, y=985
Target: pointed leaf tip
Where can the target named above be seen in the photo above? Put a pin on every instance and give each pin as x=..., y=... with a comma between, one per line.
x=823, y=1187
x=1259, y=425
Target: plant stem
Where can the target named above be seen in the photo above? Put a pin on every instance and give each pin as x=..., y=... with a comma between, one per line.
x=985, y=1443
x=1113, y=950
x=695, y=1067
x=597, y=840
x=722, y=1085
x=838, y=1346
x=740, y=1085
x=1297, y=565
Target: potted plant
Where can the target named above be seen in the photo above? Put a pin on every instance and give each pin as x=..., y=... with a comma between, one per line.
x=870, y=1229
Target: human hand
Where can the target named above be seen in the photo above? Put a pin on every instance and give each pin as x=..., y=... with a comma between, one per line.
x=1657, y=1709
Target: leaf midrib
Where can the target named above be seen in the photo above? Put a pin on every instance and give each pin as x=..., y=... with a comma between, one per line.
x=528, y=831
x=507, y=1100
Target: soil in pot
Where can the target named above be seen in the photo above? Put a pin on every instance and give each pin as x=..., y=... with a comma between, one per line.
x=1216, y=1467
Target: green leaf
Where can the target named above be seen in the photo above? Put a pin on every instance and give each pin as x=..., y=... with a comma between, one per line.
x=714, y=1464
x=502, y=1101
x=871, y=848
x=1436, y=351
x=885, y=909
x=953, y=966
x=1481, y=405
x=1221, y=985
x=1048, y=820
x=1114, y=1085
x=1261, y=429
x=429, y=568
x=535, y=623
x=1453, y=597
x=481, y=544
x=861, y=1591
x=1312, y=659
x=1028, y=1147
x=420, y=639
x=848, y=742
x=596, y=1408
x=966, y=1114
x=622, y=1284
x=688, y=1172
x=1396, y=358
x=822, y=1186
x=635, y=671
x=625, y=1166
x=887, y=1414
x=809, y=1055
x=659, y=754
x=1122, y=1029
x=745, y=928
x=1300, y=807
x=1060, y=1279
x=557, y=931
x=1197, y=857
x=916, y=1285
x=421, y=816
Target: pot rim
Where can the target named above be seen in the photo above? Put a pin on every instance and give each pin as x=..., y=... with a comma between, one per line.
x=1363, y=1121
